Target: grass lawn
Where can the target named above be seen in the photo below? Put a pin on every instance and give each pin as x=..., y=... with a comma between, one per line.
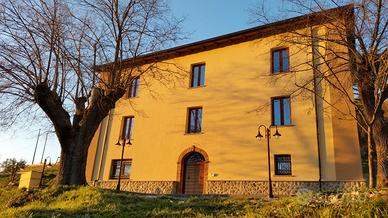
x=86, y=201
x=91, y=202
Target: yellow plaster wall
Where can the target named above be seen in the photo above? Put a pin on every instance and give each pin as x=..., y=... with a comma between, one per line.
x=235, y=100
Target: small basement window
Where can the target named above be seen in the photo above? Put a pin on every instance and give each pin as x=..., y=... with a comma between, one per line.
x=115, y=170
x=282, y=164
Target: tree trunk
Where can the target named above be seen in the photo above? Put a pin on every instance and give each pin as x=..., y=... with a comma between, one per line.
x=380, y=136
x=73, y=164
x=75, y=136
x=371, y=170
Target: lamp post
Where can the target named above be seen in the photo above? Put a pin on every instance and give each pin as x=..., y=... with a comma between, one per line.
x=44, y=166
x=45, y=143
x=36, y=146
x=121, y=142
x=268, y=136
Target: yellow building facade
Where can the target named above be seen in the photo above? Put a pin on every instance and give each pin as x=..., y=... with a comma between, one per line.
x=197, y=134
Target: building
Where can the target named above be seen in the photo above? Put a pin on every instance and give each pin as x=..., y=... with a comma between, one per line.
x=199, y=136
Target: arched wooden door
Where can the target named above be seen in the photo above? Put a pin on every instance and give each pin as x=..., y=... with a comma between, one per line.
x=194, y=174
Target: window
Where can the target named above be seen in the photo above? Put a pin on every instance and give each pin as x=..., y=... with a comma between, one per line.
x=198, y=75
x=280, y=60
x=195, y=120
x=283, y=164
x=115, y=171
x=281, y=111
x=126, y=132
x=133, y=88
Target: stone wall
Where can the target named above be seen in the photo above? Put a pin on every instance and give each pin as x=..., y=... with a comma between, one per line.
x=286, y=188
x=279, y=188
x=237, y=187
x=148, y=187
x=343, y=185
x=242, y=188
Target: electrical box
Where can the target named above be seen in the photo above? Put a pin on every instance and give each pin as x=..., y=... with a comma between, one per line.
x=30, y=179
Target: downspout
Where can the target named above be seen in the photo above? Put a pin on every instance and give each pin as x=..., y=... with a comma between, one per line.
x=104, y=143
x=314, y=46
x=95, y=156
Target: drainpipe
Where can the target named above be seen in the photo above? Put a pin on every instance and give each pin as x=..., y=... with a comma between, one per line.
x=104, y=143
x=314, y=43
x=95, y=156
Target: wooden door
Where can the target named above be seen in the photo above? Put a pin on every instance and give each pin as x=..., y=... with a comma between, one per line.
x=194, y=174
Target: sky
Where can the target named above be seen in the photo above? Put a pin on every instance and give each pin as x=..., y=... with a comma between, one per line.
x=203, y=19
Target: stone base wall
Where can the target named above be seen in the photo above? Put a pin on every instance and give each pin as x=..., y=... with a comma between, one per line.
x=334, y=186
x=147, y=187
x=279, y=188
x=286, y=188
x=237, y=187
x=242, y=188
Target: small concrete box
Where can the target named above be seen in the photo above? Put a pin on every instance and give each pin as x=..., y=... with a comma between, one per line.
x=30, y=179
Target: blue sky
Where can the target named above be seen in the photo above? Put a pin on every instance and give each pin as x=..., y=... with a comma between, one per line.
x=209, y=18
x=204, y=19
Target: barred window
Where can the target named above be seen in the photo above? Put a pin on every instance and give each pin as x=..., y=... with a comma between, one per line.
x=115, y=170
x=283, y=164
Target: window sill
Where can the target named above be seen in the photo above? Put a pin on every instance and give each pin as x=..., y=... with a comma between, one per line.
x=282, y=176
x=291, y=125
x=197, y=87
x=194, y=133
x=115, y=179
x=280, y=73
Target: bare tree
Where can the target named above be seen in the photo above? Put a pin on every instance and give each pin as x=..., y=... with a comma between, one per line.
x=49, y=52
x=349, y=49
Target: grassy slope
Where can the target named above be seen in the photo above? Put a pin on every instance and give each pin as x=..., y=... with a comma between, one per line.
x=92, y=202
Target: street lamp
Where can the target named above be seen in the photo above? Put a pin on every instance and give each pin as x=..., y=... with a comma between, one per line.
x=45, y=143
x=268, y=136
x=44, y=166
x=121, y=142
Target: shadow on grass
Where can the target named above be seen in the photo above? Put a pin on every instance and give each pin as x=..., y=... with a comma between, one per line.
x=105, y=203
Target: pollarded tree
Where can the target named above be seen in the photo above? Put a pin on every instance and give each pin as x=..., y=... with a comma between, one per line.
x=49, y=50
x=350, y=48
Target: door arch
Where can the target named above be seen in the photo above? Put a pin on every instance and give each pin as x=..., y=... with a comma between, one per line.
x=192, y=171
